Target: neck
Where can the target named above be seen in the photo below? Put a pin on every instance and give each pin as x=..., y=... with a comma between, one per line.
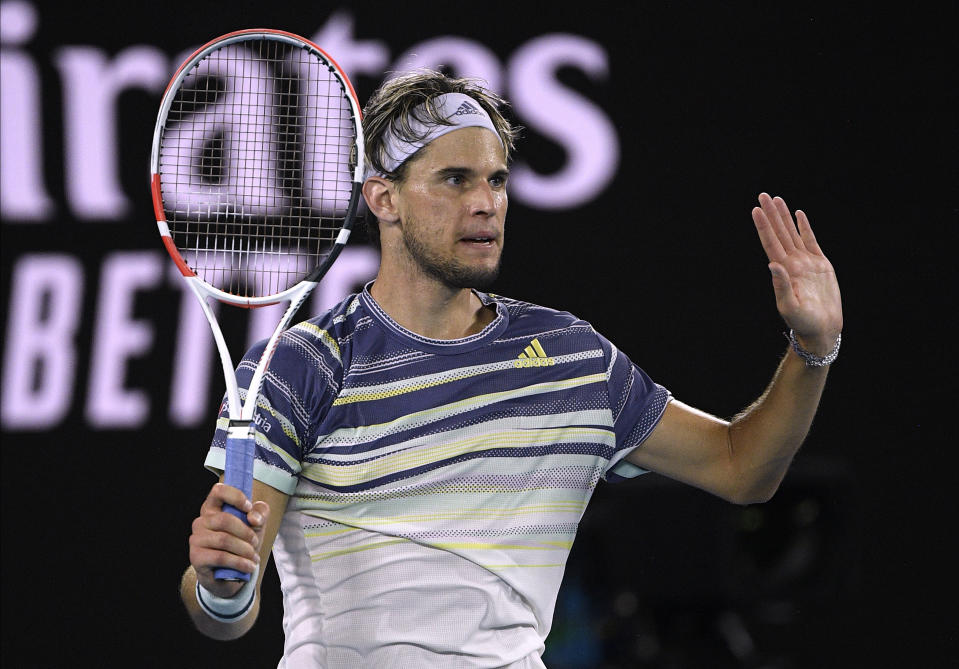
x=430, y=309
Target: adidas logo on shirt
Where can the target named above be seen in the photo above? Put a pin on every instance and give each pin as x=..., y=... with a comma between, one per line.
x=533, y=356
x=466, y=108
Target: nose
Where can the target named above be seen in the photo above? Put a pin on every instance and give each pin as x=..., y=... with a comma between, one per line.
x=483, y=200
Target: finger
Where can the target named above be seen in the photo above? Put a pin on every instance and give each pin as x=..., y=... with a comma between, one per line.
x=788, y=223
x=767, y=236
x=206, y=560
x=775, y=222
x=781, y=221
x=225, y=532
x=221, y=494
x=259, y=514
x=207, y=540
x=805, y=230
x=225, y=523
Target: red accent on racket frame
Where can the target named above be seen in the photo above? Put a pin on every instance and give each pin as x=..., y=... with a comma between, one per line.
x=167, y=240
x=157, y=200
x=177, y=258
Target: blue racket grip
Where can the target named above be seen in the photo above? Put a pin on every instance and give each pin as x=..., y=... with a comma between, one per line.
x=238, y=472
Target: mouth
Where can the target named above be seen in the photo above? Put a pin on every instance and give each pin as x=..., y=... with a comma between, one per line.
x=481, y=237
x=479, y=240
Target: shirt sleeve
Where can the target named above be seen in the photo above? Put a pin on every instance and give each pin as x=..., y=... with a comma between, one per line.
x=637, y=404
x=291, y=397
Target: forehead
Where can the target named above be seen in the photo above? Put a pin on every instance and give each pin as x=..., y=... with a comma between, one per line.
x=476, y=148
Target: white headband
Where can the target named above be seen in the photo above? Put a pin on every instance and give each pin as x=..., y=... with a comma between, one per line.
x=460, y=110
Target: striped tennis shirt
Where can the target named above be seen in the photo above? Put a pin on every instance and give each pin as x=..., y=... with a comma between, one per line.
x=436, y=485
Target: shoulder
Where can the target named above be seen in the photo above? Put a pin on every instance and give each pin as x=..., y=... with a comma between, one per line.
x=328, y=332
x=312, y=350
x=529, y=318
x=521, y=311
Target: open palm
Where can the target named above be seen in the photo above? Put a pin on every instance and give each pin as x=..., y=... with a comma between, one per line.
x=807, y=292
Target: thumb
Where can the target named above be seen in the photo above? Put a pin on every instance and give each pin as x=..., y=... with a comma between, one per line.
x=782, y=287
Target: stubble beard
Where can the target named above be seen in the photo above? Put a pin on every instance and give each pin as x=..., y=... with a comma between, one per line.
x=448, y=271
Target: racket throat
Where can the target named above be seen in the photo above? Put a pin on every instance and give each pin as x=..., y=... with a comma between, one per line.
x=240, y=429
x=240, y=449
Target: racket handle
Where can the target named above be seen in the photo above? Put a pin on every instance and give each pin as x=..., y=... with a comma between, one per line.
x=238, y=472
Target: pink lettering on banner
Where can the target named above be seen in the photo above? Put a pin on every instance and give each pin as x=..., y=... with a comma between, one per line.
x=23, y=196
x=39, y=357
x=355, y=57
x=92, y=82
x=581, y=127
x=41, y=361
x=195, y=194
x=118, y=337
x=192, y=359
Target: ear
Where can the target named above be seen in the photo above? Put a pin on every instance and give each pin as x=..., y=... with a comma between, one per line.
x=379, y=194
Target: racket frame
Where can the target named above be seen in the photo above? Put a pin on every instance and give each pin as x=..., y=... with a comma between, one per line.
x=240, y=447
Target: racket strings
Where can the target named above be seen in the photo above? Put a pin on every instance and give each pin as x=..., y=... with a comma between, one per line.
x=254, y=163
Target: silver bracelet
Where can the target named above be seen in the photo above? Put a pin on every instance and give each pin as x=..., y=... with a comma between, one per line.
x=811, y=359
x=228, y=609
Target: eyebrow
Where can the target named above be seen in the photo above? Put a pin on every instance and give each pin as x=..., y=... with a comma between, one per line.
x=468, y=171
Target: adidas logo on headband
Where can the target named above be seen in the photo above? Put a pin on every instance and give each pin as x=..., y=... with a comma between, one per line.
x=466, y=108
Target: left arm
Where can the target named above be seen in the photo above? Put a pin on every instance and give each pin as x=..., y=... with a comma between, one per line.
x=745, y=460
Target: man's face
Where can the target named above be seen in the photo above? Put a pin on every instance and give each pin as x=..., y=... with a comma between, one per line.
x=452, y=208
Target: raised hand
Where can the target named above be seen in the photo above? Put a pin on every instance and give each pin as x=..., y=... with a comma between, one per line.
x=807, y=292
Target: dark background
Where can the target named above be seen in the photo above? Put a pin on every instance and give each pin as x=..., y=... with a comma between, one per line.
x=849, y=113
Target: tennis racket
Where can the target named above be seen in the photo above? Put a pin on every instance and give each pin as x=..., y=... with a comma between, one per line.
x=256, y=170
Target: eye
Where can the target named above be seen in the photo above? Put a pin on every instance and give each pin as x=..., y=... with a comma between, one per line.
x=455, y=179
x=497, y=181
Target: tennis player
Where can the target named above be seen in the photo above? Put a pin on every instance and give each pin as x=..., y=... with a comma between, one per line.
x=427, y=449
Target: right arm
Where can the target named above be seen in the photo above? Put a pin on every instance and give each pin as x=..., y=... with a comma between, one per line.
x=220, y=539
